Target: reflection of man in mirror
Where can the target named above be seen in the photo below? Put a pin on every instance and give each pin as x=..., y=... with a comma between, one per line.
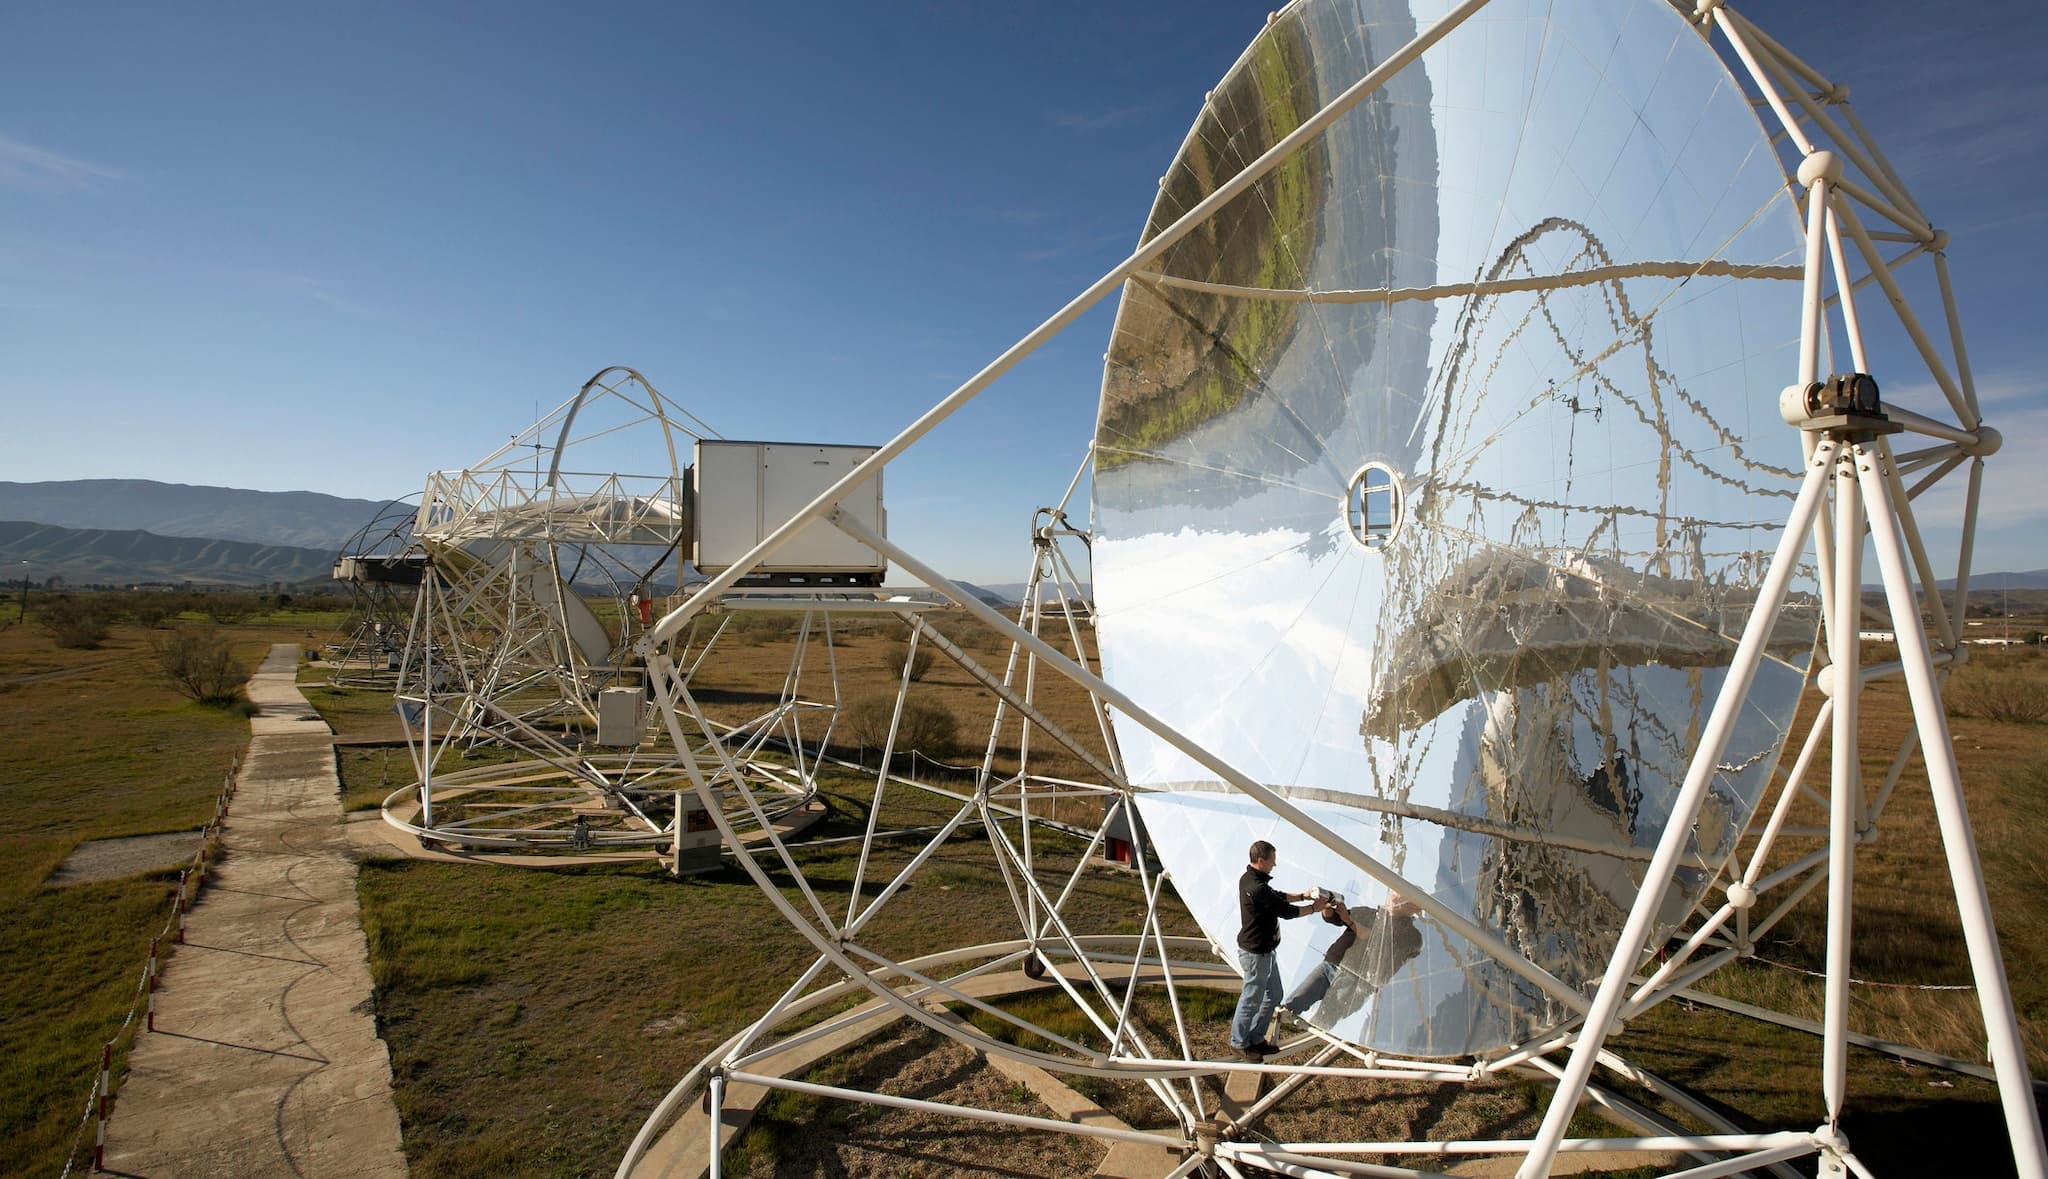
x=1260, y=908
x=1375, y=943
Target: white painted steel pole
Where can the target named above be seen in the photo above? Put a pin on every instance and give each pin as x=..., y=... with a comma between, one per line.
x=1845, y=781
x=1852, y=325
x=717, y=1160
x=1150, y=252
x=431, y=754
x=1814, y=172
x=1944, y=780
x=1966, y=555
x=1607, y=1001
x=1762, y=78
x=1955, y=329
x=1817, y=164
x=1936, y=367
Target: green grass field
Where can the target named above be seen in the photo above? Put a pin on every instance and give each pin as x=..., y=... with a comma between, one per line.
x=97, y=744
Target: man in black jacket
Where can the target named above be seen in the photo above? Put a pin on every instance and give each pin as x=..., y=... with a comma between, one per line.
x=1260, y=909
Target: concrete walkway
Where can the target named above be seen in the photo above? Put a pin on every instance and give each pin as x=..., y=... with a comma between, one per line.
x=265, y=1059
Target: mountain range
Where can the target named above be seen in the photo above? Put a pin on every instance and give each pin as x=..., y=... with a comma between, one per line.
x=121, y=531
x=303, y=519
x=120, y=557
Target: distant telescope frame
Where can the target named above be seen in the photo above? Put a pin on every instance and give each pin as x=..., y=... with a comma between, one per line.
x=1855, y=208
x=503, y=650
x=382, y=572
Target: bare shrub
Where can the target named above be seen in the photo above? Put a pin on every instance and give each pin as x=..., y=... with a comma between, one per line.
x=200, y=661
x=977, y=636
x=899, y=648
x=927, y=727
x=857, y=627
x=1989, y=694
x=76, y=621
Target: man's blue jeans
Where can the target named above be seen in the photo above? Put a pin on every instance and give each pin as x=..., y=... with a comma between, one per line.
x=1261, y=995
x=1311, y=989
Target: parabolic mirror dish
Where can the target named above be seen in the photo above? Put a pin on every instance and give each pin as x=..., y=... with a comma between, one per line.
x=1435, y=476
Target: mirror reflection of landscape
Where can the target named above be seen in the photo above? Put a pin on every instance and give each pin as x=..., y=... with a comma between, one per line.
x=1545, y=283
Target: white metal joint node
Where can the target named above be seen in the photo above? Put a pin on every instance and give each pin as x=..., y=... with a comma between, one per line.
x=1987, y=444
x=1741, y=896
x=1820, y=164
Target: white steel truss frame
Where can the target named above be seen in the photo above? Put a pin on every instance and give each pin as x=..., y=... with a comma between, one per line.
x=493, y=657
x=1842, y=179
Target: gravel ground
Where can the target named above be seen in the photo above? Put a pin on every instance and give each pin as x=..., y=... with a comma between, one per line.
x=112, y=859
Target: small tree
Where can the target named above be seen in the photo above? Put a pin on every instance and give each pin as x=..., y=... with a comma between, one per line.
x=927, y=727
x=200, y=661
x=76, y=621
x=228, y=607
x=151, y=610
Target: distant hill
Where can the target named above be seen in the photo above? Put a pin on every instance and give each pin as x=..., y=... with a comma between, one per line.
x=122, y=557
x=1992, y=595
x=304, y=519
x=2034, y=579
x=1012, y=592
x=992, y=595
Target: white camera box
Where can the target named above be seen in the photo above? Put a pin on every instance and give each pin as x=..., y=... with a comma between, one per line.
x=746, y=490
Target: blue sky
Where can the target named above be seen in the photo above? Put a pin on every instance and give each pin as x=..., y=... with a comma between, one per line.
x=334, y=247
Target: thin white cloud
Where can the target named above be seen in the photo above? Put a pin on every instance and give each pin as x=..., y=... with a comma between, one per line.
x=1987, y=88
x=1105, y=120
x=329, y=293
x=1084, y=244
x=1015, y=214
x=28, y=168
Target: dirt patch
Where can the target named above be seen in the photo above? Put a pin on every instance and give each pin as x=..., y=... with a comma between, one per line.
x=112, y=859
x=801, y=1136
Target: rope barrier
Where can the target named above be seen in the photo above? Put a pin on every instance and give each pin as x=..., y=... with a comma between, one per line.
x=99, y=1101
x=1865, y=982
